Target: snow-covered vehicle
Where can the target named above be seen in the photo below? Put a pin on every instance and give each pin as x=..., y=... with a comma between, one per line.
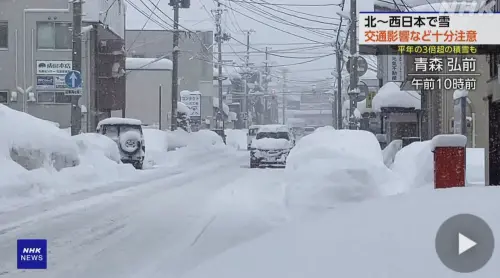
x=127, y=134
x=252, y=132
x=271, y=146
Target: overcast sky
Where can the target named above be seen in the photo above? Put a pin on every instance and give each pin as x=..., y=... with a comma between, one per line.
x=241, y=15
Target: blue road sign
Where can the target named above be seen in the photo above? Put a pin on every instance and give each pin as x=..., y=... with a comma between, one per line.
x=73, y=79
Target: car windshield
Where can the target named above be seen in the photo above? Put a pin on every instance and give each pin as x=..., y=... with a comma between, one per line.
x=125, y=128
x=273, y=135
x=253, y=131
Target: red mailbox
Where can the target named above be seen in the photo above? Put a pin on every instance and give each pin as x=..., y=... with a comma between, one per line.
x=449, y=161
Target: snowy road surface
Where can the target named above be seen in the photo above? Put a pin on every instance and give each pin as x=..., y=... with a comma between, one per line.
x=161, y=227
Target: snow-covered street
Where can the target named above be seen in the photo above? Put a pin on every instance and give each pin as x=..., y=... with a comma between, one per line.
x=161, y=227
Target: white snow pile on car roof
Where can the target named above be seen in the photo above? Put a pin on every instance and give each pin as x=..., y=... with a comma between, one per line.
x=384, y=238
x=330, y=167
x=270, y=144
x=273, y=128
x=119, y=121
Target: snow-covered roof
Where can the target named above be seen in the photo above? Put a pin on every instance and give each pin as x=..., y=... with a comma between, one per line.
x=119, y=121
x=460, y=94
x=110, y=13
x=147, y=64
x=449, y=140
x=231, y=72
x=390, y=95
x=273, y=128
x=182, y=108
x=225, y=82
x=225, y=108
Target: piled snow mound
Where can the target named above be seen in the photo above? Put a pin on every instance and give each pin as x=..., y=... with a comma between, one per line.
x=390, y=151
x=156, y=147
x=415, y=164
x=35, y=143
x=237, y=138
x=94, y=142
x=199, y=139
x=367, y=240
x=182, y=108
x=329, y=167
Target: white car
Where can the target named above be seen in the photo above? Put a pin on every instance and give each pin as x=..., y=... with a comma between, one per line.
x=252, y=132
x=127, y=134
x=271, y=146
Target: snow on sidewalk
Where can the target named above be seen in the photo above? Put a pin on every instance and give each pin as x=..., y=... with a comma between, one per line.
x=385, y=238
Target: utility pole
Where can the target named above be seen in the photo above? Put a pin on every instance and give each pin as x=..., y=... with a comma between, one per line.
x=266, y=88
x=353, y=90
x=176, y=4
x=175, y=66
x=246, y=75
x=76, y=112
x=338, y=96
x=220, y=37
x=285, y=89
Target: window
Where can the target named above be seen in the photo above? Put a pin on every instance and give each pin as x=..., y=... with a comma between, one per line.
x=3, y=97
x=53, y=35
x=273, y=135
x=53, y=97
x=4, y=34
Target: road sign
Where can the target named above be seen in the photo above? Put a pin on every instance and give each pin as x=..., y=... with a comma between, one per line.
x=363, y=91
x=73, y=79
x=362, y=66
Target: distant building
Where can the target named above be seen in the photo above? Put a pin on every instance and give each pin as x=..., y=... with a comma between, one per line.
x=35, y=52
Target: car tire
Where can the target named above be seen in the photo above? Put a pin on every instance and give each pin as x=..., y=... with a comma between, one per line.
x=138, y=165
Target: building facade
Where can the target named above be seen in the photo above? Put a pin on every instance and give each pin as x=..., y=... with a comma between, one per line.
x=36, y=53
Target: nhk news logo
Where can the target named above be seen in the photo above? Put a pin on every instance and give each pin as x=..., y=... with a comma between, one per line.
x=32, y=254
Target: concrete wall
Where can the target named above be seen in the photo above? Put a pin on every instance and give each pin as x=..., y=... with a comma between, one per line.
x=142, y=97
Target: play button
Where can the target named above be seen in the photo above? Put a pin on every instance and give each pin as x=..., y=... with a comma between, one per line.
x=464, y=243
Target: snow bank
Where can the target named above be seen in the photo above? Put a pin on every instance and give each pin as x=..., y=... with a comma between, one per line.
x=237, y=138
x=415, y=165
x=34, y=143
x=385, y=238
x=200, y=139
x=390, y=151
x=329, y=167
x=94, y=142
x=271, y=144
x=156, y=147
x=390, y=95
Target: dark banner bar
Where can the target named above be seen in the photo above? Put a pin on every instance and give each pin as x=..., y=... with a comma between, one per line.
x=429, y=49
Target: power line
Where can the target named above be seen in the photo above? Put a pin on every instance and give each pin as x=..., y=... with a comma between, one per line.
x=276, y=28
x=142, y=29
x=289, y=5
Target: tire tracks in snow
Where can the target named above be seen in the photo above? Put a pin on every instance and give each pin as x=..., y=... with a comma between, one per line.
x=73, y=228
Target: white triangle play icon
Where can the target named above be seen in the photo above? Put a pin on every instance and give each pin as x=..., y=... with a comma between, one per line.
x=464, y=243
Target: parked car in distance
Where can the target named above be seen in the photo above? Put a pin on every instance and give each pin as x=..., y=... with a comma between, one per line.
x=271, y=146
x=127, y=134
